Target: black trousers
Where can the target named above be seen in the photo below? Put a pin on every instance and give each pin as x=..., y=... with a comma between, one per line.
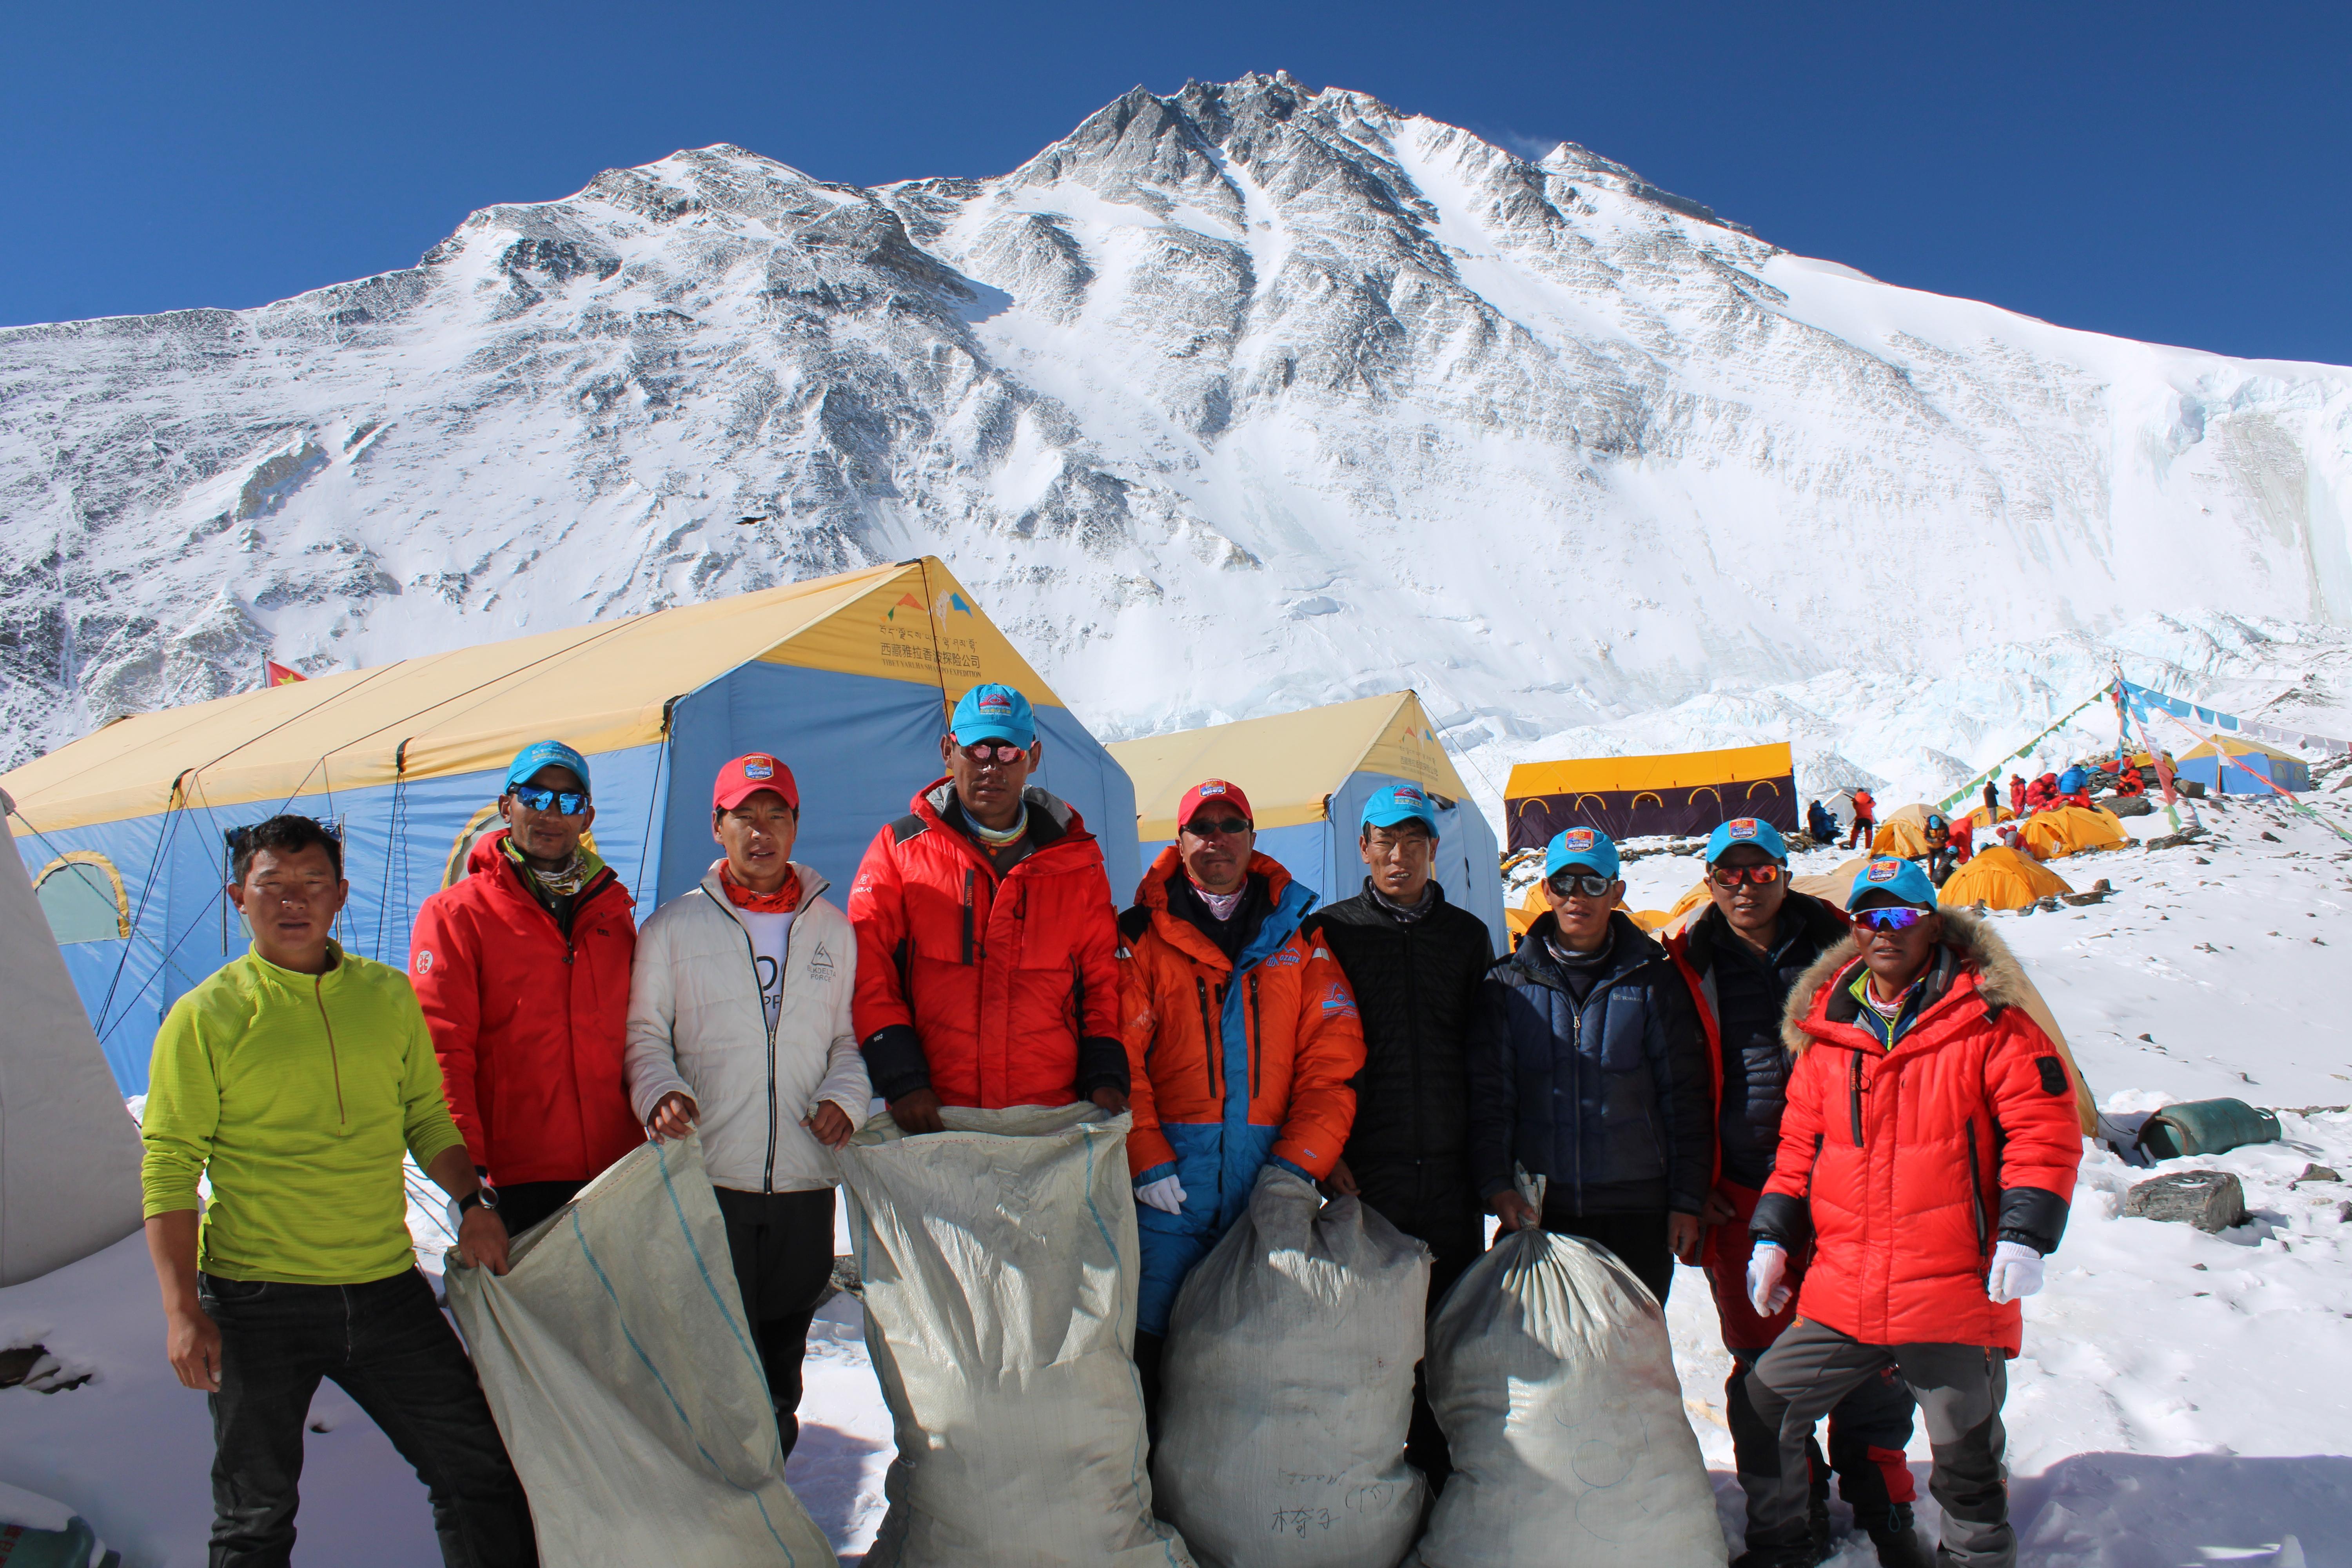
x=388, y=1347
x=527, y=1204
x=1869, y=1429
x=1639, y=1240
x=1431, y=1201
x=782, y=1246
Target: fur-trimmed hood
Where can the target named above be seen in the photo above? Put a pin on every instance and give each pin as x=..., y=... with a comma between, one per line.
x=1968, y=937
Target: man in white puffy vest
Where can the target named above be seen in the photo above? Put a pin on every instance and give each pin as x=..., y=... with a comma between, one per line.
x=740, y=1025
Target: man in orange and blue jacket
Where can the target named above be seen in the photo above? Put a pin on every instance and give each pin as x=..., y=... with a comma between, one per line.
x=1241, y=1036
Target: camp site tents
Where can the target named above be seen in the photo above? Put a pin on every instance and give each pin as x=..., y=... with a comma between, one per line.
x=845, y=678
x=1833, y=886
x=1986, y=816
x=1629, y=798
x=69, y=1150
x=2072, y=830
x=1532, y=907
x=2001, y=878
x=1307, y=776
x=2205, y=764
x=1903, y=831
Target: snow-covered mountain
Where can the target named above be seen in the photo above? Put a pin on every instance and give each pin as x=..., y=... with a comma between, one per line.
x=1232, y=401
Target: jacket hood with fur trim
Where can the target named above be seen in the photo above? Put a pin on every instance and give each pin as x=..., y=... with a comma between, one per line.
x=1968, y=936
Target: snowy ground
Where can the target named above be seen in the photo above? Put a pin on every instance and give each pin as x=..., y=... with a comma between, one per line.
x=2183, y=1398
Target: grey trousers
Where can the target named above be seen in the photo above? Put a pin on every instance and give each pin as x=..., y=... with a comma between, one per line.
x=1959, y=1389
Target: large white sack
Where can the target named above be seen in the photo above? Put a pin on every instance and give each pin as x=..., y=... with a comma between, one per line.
x=1550, y=1371
x=1288, y=1385
x=999, y=1266
x=617, y=1362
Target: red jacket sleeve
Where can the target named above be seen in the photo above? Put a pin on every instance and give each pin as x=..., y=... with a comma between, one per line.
x=442, y=968
x=878, y=912
x=2032, y=1098
x=1329, y=1054
x=1147, y=1145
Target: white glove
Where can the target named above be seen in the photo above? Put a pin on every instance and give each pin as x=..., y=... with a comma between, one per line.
x=2016, y=1272
x=1768, y=1278
x=1166, y=1194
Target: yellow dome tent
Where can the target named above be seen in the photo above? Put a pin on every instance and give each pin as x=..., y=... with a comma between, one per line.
x=1903, y=831
x=1686, y=908
x=1830, y=886
x=2001, y=878
x=2070, y=830
x=1986, y=816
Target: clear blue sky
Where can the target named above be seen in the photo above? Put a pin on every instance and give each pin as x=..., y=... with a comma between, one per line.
x=2175, y=173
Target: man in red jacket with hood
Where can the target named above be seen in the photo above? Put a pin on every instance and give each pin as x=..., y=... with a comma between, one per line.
x=987, y=944
x=522, y=968
x=1927, y=1154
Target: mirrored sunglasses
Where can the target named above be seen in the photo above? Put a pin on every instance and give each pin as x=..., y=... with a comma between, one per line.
x=1899, y=919
x=570, y=802
x=995, y=751
x=1732, y=875
x=1568, y=884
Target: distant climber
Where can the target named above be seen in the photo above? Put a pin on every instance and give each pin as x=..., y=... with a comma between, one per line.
x=1992, y=797
x=1865, y=820
x=1819, y=823
x=2017, y=794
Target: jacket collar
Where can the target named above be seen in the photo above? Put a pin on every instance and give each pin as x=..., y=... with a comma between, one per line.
x=1974, y=962
x=1631, y=948
x=812, y=884
x=1054, y=824
x=1290, y=903
x=1816, y=920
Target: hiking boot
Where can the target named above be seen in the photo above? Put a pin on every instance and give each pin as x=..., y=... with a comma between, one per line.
x=1817, y=1526
x=1799, y=1555
x=1898, y=1543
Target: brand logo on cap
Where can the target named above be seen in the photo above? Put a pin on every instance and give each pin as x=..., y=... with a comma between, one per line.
x=1408, y=795
x=1883, y=871
x=1741, y=827
x=1577, y=838
x=759, y=768
x=996, y=702
x=1213, y=789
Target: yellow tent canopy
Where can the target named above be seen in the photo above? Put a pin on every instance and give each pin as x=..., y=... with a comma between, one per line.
x=2236, y=747
x=1831, y=887
x=2001, y=878
x=2070, y=830
x=1532, y=907
x=1988, y=816
x=1628, y=798
x=1307, y=776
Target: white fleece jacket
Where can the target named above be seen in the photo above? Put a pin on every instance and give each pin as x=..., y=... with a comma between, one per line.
x=696, y=1026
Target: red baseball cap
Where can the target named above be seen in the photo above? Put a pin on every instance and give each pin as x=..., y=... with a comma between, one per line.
x=746, y=775
x=1216, y=790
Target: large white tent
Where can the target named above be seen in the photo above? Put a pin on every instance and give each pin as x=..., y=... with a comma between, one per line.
x=69, y=1151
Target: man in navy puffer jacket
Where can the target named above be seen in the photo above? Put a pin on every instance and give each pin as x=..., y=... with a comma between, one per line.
x=1587, y=1067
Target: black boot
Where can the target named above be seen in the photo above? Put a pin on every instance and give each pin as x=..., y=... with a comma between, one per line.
x=1799, y=1555
x=1817, y=1524
x=1898, y=1542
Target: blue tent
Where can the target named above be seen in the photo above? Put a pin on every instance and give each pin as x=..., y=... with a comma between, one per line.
x=2205, y=764
x=847, y=678
x=1307, y=776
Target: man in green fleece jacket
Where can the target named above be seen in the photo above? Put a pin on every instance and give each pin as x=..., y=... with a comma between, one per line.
x=294, y=1077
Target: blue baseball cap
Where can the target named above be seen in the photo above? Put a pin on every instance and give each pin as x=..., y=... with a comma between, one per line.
x=1885, y=874
x=545, y=755
x=994, y=712
x=1400, y=802
x=1746, y=830
x=1586, y=847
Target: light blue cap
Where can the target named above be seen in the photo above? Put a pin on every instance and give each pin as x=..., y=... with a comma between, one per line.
x=1885, y=874
x=545, y=754
x=994, y=712
x=1586, y=847
x=1749, y=830
x=1400, y=802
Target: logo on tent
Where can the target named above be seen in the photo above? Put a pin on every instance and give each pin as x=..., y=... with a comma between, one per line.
x=948, y=601
x=906, y=601
x=1741, y=827
x=1883, y=871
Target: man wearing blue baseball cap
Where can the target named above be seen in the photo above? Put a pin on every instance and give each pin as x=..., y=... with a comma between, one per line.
x=522, y=969
x=987, y=944
x=1740, y=959
x=1927, y=1156
x=1414, y=961
x=1587, y=1070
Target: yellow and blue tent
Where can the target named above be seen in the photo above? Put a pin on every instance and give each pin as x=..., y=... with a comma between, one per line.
x=1307, y=776
x=847, y=678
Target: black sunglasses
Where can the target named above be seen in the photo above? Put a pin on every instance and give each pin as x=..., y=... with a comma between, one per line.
x=1568, y=884
x=570, y=803
x=1225, y=827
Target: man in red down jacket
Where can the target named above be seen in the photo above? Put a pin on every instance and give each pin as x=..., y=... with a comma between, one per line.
x=1928, y=1155
x=522, y=968
x=987, y=944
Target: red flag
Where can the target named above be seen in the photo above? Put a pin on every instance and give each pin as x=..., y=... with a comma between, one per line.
x=277, y=674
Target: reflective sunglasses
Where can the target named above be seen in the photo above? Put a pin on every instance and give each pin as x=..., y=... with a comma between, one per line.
x=995, y=751
x=1732, y=875
x=1568, y=884
x=569, y=802
x=1901, y=918
x=1225, y=827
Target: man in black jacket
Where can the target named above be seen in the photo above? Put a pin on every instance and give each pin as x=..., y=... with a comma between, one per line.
x=1739, y=960
x=1414, y=961
x=1586, y=1068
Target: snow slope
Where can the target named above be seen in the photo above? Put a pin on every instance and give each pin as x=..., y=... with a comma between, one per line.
x=1234, y=400
x=2182, y=1398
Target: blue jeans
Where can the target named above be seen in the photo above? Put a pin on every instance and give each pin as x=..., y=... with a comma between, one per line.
x=387, y=1346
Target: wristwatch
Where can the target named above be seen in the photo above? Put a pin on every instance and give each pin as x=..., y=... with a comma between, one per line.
x=485, y=1197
